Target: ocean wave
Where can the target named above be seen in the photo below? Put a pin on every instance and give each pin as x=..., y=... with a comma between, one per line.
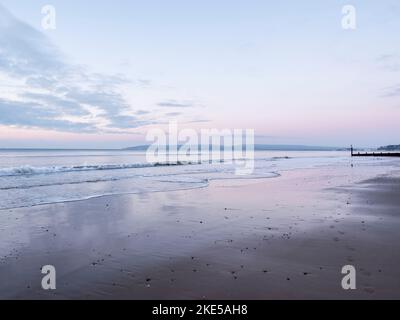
x=106, y=179
x=30, y=170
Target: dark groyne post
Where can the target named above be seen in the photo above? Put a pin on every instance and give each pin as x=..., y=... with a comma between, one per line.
x=373, y=154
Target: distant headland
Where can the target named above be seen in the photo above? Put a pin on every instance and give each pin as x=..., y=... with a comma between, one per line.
x=266, y=147
x=393, y=147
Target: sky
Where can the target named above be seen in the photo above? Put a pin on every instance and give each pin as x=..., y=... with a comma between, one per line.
x=112, y=70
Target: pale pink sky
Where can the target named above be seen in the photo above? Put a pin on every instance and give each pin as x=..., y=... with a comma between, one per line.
x=109, y=73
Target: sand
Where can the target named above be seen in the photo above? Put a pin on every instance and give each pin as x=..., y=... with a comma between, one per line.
x=279, y=238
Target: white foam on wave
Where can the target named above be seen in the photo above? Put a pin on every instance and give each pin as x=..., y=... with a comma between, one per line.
x=30, y=170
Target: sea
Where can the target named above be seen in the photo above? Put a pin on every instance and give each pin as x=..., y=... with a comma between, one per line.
x=37, y=177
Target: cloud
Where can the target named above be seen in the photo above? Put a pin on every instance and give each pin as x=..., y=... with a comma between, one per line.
x=59, y=103
x=175, y=104
x=393, y=91
x=173, y=114
x=25, y=51
x=389, y=62
x=22, y=114
x=141, y=112
x=199, y=121
x=144, y=82
x=52, y=88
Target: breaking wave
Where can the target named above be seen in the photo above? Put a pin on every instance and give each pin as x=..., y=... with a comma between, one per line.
x=30, y=170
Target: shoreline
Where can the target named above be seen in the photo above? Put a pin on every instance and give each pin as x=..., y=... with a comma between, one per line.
x=283, y=238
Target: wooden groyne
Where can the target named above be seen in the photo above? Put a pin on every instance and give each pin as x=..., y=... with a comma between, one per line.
x=374, y=154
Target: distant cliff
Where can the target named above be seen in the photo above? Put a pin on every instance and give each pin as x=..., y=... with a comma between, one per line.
x=265, y=147
x=390, y=148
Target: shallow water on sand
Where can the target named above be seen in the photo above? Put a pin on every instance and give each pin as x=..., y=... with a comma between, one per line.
x=34, y=177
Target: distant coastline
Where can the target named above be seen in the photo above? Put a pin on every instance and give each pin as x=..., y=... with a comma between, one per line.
x=257, y=147
x=56, y=149
x=267, y=147
x=390, y=148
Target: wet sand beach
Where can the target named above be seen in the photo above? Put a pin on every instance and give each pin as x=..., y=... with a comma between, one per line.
x=279, y=238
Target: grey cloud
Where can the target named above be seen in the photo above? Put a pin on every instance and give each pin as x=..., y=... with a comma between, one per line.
x=199, y=121
x=393, y=91
x=112, y=103
x=24, y=50
x=26, y=54
x=40, y=81
x=127, y=122
x=144, y=82
x=141, y=112
x=173, y=114
x=389, y=62
x=60, y=104
x=175, y=104
x=22, y=114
